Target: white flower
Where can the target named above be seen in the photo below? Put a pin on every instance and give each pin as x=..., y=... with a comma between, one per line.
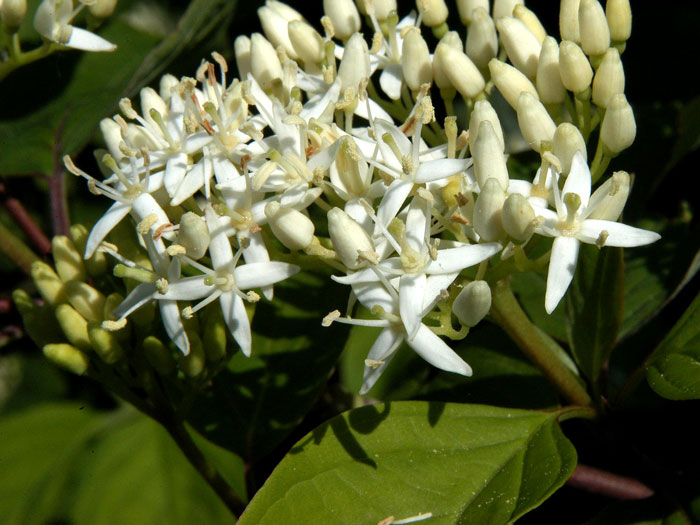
x=570, y=225
x=52, y=21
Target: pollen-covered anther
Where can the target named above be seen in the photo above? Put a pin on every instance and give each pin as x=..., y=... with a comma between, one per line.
x=377, y=41
x=328, y=319
x=367, y=256
x=252, y=297
x=428, y=110
x=187, y=312
x=161, y=285
x=426, y=195
x=144, y=226
x=602, y=238
x=128, y=110
x=374, y=363
x=113, y=326
x=176, y=249
x=458, y=218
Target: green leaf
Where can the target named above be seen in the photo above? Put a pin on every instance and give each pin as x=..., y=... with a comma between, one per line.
x=530, y=289
x=462, y=463
x=595, y=304
x=64, y=462
x=674, y=369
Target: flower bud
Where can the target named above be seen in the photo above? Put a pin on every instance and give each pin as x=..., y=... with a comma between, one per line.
x=503, y=8
x=51, y=288
x=548, y=79
x=168, y=85
x=488, y=157
x=466, y=10
x=13, y=13
x=435, y=12
x=193, y=363
x=67, y=259
x=274, y=18
x=535, y=123
x=193, y=235
x=482, y=39
x=619, y=15
x=415, y=60
x=382, y=8
x=89, y=302
x=510, y=82
x=517, y=217
x=158, y=355
x=531, y=21
x=151, y=100
x=214, y=335
x=567, y=141
x=440, y=69
x=102, y=8
x=488, y=210
x=609, y=79
x=68, y=357
x=344, y=17
x=483, y=110
x=39, y=321
x=463, y=74
x=105, y=344
x=112, y=133
x=306, y=41
x=608, y=201
x=568, y=21
x=576, y=72
x=355, y=63
x=241, y=48
x=74, y=326
x=291, y=227
x=348, y=237
x=522, y=47
x=473, y=303
x=264, y=63
x=97, y=263
x=593, y=26
x=619, y=128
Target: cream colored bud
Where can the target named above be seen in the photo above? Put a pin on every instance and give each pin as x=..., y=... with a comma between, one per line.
x=169, y=84
x=521, y=45
x=568, y=20
x=488, y=210
x=451, y=39
x=463, y=74
x=510, y=82
x=619, y=128
x=102, y=8
x=593, y=26
x=49, y=285
x=609, y=79
x=503, y=8
x=193, y=235
x=241, y=48
x=576, y=71
x=382, y=8
x=466, y=9
x=567, y=141
x=619, y=15
x=435, y=12
x=344, y=17
x=610, y=198
x=517, y=217
x=68, y=357
x=264, y=63
x=482, y=39
x=531, y=21
x=13, y=13
x=348, y=237
x=67, y=259
x=88, y=301
x=415, y=60
x=535, y=123
x=548, y=79
x=274, y=18
x=151, y=100
x=483, y=111
x=355, y=64
x=74, y=326
x=489, y=159
x=291, y=227
x=112, y=134
x=307, y=43
x=473, y=303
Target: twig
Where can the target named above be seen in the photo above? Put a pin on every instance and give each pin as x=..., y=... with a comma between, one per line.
x=608, y=484
x=30, y=228
x=57, y=190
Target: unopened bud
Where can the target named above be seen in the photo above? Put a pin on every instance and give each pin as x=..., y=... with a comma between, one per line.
x=466, y=9
x=193, y=363
x=415, y=60
x=74, y=326
x=307, y=43
x=482, y=39
x=619, y=128
x=291, y=227
x=595, y=33
x=548, y=79
x=609, y=79
x=13, y=13
x=517, y=217
x=48, y=284
x=158, y=355
x=576, y=71
x=348, y=237
x=440, y=69
x=619, y=15
x=435, y=12
x=567, y=141
x=483, y=110
x=241, y=48
x=503, y=8
x=473, y=303
x=535, y=123
x=510, y=82
x=344, y=17
x=522, y=47
x=488, y=210
x=274, y=18
x=214, y=335
x=105, y=344
x=608, y=201
x=264, y=62
x=568, y=20
x=527, y=17
x=102, y=8
x=489, y=159
x=97, y=263
x=382, y=8
x=67, y=259
x=112, y=133
x=88, y=301
x=463, y=74
x=355, y=63
x=151, y=101
x=68, y=357
x=193, y=235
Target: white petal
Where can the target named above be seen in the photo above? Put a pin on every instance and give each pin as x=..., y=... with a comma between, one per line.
x=237, y=320
x=390, y=81
x=255, y=275
x=416, y=226
x=383, y=349
x=87, y=41
x=175, y=170
x=434, y=285
x=363, y=276
x=456, y=259
x=170, y=315
x=436, y=352
x=562, y=265
x=411, y=292
x=102, y=227
x=224, y=170
x=393, y=200
x=579, y=180
x=440, y=169
x=372, y=294
x=187, y=289
x=220, y=249
x=618, y=234
x=142, y=294
x=193, y=181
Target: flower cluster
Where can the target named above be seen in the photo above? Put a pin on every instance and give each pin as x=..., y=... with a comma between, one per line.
x=222, y=177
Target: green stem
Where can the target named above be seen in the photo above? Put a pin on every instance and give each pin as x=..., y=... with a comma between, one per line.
x=539, y=348
x=22, y=59
x=15, y=249
x=600, y=163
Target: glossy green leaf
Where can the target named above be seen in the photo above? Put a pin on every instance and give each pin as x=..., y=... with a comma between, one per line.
x=64, y=462
x=461, y=463
x=595, y=304
x=674, y=369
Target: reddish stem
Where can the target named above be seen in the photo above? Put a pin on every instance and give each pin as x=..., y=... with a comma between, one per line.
x=22, y=218
x=608, y=484
x=57, y=190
